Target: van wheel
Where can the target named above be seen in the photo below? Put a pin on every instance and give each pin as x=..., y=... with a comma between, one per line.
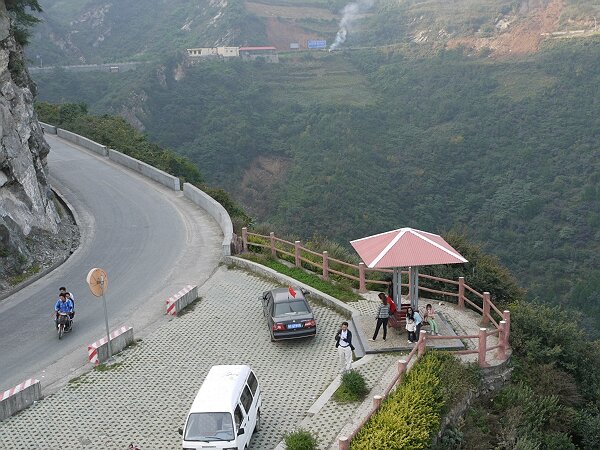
x=257, y=426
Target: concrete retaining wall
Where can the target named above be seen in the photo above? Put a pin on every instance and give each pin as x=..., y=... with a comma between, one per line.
x=84, y=142
x=179, y=301
x=20, y=397
x=119, y=339
x=50, y=129
x=145, y=169
x=215, y=209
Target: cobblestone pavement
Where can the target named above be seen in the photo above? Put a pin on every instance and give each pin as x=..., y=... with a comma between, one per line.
x=145, y=396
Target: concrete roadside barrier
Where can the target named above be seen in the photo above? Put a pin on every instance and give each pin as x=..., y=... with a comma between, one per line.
x=145, y=169
x=50, y=129
x=119, y=339
x=216, y=210
x=82, y=141
x=20, y=397
x=184, y=297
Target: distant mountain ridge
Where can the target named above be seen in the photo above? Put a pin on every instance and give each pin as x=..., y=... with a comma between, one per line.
x=96, y=31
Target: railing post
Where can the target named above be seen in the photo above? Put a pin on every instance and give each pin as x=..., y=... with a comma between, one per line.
x=273, y=249
x=482, y=347
x=486, y=308
x=297, y=253
x=461, y=292
x=377, y=402
x=244, y=239
x=325, y=265
x=506, y=317
x=402, y=368
x=362, y=286
x=501, y=353
x=344, y=443
x=421, y=344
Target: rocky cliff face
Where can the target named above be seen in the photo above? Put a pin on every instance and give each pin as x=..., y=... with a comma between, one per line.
x=26, y=206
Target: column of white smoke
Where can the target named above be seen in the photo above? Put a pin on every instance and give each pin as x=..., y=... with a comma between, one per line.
x=349, y=16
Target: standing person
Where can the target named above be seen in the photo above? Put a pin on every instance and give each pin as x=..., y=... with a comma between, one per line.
x=410, y=325
x=389, y=301
x=383, y=314
x=343, y=342
x=430, y=317
x=418, y=323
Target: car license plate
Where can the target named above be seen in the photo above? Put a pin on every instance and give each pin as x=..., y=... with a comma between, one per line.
x=294, y=325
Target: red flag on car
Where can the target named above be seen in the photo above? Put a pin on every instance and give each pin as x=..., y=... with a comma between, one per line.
x=292, y=292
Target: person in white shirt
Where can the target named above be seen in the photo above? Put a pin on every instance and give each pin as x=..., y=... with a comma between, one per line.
x=343, y=342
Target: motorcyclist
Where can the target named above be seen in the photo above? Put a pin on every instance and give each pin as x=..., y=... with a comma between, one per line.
x=63, y=305
x=70, y=297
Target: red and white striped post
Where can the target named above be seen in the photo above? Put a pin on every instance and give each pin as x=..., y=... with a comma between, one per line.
x=501, y=353
x=325, y=265
x=486, y=308
x=461, y=292
x=297, y=246
x=244, y=239
x=421, y=345
x=362, y=286
x=506, y=317
x=273, y=249
x=482, y=347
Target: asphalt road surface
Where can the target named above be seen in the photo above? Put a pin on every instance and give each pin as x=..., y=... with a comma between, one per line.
x=150, y=240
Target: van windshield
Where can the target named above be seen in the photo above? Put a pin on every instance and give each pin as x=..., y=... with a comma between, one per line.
x=212, y=426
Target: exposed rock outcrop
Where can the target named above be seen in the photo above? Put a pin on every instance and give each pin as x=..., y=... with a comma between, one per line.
x=26, y=205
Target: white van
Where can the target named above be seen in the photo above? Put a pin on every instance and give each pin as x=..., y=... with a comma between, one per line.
x=226, y=410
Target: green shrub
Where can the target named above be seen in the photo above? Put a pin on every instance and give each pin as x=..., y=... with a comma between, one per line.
x=411, y=415
x=353, y=388
x=300, y=440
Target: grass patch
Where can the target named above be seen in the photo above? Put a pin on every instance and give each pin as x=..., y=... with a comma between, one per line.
x=301, y=440
x=189, y=308
x=352, y=389
x=74, y=383
x=341, y=292
x=107, y=367
x=17, y=279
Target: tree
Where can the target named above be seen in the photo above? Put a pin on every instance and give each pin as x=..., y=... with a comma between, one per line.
x=19, y=11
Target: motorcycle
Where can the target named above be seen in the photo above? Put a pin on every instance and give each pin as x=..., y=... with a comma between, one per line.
x=64, y=324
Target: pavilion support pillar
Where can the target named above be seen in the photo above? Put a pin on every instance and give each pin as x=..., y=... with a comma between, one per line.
x=413, y=287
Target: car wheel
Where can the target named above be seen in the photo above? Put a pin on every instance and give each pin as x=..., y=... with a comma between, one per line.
x=257, y=426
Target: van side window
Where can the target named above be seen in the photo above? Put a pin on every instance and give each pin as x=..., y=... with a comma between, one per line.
x=246, y=399
x=239, y=416
x=252, y=382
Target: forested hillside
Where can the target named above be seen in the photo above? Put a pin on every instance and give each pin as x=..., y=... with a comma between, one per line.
x=347, y=145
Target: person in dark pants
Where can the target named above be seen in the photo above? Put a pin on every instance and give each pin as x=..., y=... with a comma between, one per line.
x=383, y=314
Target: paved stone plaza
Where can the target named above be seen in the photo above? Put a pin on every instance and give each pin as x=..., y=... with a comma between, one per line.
x=144, y=397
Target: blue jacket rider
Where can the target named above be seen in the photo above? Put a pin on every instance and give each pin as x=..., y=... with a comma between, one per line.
x=63, y=305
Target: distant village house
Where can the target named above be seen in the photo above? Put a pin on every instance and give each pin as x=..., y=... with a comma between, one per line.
x=268, y=54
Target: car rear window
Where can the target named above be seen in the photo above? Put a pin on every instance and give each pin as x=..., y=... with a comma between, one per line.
x=287, y=308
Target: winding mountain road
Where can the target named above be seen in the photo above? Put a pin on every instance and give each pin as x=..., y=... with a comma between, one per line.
x=151, y=241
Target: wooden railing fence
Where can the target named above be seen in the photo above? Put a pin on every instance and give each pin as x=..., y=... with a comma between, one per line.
x=480, y=302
